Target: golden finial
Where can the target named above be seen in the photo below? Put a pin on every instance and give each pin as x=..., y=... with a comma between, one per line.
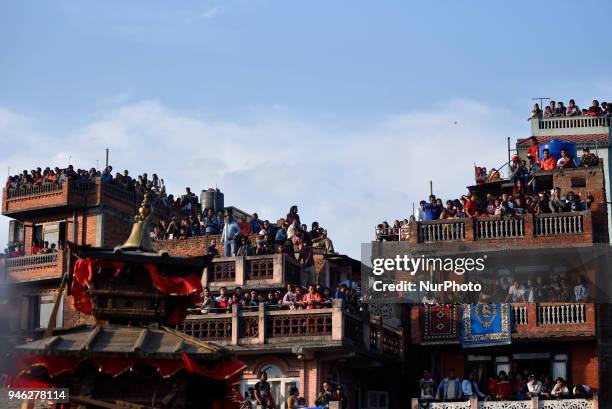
x=140, y=238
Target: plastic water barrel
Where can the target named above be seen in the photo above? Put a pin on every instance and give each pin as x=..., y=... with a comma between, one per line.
x=212, y=198
x=555, y=146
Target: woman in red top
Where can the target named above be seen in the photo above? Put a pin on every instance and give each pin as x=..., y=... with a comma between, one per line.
x=534, y=148
x=245, y=227
x=312, y=299
x=595, y=109
x=503, y=387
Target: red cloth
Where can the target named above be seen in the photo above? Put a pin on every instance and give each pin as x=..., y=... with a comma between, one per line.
x=224, y=370
x=186, y=288
x=174, y=285
x=27, y=382
x=503, y=389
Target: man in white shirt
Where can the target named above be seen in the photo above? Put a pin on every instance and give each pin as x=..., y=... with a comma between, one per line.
x=534, y=387
x=516, y=292
x=581, y=291
x=231, y=230
x=420, y=213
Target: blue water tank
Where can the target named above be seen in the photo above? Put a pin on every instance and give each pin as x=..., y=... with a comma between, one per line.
x=555, y=146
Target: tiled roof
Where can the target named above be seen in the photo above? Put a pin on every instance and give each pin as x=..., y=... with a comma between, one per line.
x=131, y=341
x=600, y=138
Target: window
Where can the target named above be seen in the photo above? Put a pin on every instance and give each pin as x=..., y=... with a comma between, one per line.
x=502, y=363
x=279, y=385
x=37, y=310
x=54, y=233
x=578, y=182
x=559, y=367
x=377, y=400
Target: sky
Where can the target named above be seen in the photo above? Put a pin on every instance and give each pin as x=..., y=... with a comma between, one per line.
x=347, y=108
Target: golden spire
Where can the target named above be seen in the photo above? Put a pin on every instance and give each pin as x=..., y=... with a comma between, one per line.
x=140, y=238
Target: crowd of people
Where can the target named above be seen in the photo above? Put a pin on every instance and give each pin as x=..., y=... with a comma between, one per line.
x=521, y=202
x=504, y=386
x=515, y=290
x=57, y=176
x=260, y=396
x=559, y=109
x=526, y=196
x=523, y=172
x=295, y=297
x=285, y=236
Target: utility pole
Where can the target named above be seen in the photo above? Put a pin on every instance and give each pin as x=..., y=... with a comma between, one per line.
x=430, y=188
x=106, y=165
x=541, y=99
x=508, y=150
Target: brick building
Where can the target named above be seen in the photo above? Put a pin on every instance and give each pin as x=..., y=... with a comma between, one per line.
x=376, y=352
x=358, y=349
x=570, y=339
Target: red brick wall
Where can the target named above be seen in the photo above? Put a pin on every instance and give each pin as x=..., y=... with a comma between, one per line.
x=452, y=359
x=584, y=365
x=193, y=246
x=116, y=230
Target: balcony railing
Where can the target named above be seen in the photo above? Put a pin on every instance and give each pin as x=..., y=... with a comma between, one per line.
x=267, y=327
x=565, y=314
x=533, y=403
x=488, y=228
x=574, y=125
x=31, y=261
x=71, y=193
x=543, y=228
x=273, y=270
x=440, y=324
x=559, y=223
x=441, y=230
x=33, y=191
x=37, y=267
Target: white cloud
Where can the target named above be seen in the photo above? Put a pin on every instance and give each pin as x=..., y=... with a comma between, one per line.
x=348, y=178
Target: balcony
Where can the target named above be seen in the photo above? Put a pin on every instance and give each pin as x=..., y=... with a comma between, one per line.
x=441, y=324
x=267, y=329
x=528, y=230
x=575, y=125
x=544, y=320
x=68, y=195
x=32, y=268
x=252, y=272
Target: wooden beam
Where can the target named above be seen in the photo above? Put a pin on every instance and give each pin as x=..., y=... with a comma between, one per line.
x=90, y=338
x=140, y=340
x=85, y=400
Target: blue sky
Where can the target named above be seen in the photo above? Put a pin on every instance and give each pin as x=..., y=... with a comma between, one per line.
x=345, y=108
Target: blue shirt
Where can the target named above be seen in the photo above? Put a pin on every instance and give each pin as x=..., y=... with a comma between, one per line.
x=432, y=212
x=281, y=235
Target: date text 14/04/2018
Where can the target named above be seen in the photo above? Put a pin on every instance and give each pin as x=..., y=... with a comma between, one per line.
x=60, y=395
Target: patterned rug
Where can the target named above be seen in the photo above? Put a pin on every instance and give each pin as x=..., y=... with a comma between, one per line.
x=440, y=323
